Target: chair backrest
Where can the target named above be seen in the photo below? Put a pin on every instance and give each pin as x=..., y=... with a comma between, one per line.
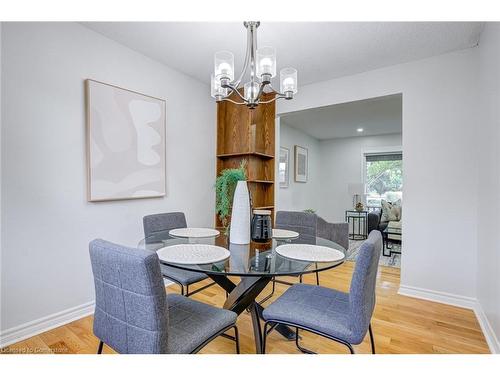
x=336, y=232
x=304, y=223
x=131, y=314
x=157, y=226
x=362, y=291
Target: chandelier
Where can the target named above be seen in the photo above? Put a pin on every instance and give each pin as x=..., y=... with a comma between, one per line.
x=262, y=65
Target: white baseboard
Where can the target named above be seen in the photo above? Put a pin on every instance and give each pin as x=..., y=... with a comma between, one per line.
x=488, y=332
x=35, y=327
x=435, y=296
x=460, y=301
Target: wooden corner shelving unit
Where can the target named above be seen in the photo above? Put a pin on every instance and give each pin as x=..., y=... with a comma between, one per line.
x=248, y=134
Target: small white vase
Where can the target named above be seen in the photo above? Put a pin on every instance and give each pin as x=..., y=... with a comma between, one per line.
x=239, y=232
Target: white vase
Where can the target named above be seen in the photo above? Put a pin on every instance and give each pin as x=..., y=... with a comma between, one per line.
x=239, y=232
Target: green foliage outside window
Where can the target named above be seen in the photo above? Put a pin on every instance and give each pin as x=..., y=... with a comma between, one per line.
x=384, y=176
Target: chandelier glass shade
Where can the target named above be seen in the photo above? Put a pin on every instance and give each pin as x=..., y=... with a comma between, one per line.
x=261, y=64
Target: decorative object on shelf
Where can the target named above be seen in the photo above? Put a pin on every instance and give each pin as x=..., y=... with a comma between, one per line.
x=262, y=65
x=225, y=186
x=125, y=143
x=301, y=160
x=357, y=191
x=283, y=167
x=310, y=210
x=239, y=230
x=359, y=207
x=262, y=230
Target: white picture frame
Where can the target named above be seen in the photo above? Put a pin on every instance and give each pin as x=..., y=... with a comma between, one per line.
x=125, y=143
x=284, y=167
x=301, y=164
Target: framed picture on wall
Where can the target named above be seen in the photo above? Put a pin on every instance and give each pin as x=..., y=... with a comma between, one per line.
x=125, y=143
x=284, y=169
x=300, y=164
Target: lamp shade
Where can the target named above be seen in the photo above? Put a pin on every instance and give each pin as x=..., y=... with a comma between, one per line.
x=224, y=65
x=266, y=61
x=288, y=80
x=356, y=188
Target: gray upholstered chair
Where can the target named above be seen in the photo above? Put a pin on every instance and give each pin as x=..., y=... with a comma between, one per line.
x=156, y=228
x=133, y=314
x=336, y=232
x=305, y=224
x=339, y=316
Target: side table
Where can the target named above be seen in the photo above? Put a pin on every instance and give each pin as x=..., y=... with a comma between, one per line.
x=359, y=220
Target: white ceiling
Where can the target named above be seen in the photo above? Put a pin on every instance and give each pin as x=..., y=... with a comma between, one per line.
x=377, y=116
x=319, y=50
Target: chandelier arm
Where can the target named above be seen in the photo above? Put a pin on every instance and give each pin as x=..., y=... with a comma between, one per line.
x=234, y=89
x=261, y=90
x=253, y=52
x=237, y=82
x=278, y=96
x=232, y=101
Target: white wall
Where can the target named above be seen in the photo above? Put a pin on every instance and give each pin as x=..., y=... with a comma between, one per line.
x=299, y=195
x=46, y=220
x=341, y=164
x=488, y=271
x=439, y=132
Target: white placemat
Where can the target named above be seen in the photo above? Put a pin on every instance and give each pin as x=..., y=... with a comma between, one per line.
x=283, y=234
x=193, y=254
x=194, y=232
x=310, y=253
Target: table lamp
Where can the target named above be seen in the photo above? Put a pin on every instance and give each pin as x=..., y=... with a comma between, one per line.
x=356, y=190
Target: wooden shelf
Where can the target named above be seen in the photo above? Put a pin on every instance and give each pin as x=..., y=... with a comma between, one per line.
x=248, y=136
x=239, y=154
x=261, y=181
x=263, y=208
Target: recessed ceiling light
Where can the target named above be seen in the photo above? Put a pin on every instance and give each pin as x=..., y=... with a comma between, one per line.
x=360, y=130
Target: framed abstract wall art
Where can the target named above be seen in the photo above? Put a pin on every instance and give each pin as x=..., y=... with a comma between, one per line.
x=283, y=168
x=125, y=143
x=300, y=164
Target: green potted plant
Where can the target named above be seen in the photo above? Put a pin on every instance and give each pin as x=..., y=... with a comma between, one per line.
x=225, y=184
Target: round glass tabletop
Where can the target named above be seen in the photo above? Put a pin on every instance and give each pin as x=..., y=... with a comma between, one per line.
x=254, y=259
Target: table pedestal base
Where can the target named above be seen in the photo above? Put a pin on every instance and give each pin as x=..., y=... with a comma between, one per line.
x=242, y=296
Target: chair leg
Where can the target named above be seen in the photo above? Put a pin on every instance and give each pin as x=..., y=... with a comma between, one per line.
x=182, y=289
x=187, y=290
x=99, y=349
x=301, y=348
x=300, y=279
x=237, y=339
x=264, y=338
x=317, y=278
x=270, y=294
x=372, y=341
x=307, y=351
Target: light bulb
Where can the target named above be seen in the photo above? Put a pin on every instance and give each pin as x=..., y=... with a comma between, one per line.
x=288, y=80
x=288, y=84
x=225, y=69
x=265, y=65
x=224, y=65
x=266, y=61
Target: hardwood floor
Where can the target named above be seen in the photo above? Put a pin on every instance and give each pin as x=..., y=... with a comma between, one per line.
x=400, y=325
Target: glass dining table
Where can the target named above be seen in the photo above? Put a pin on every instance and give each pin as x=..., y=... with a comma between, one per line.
x=247, y=271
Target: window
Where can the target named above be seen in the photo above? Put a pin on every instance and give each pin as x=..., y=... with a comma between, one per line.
x=383, y=178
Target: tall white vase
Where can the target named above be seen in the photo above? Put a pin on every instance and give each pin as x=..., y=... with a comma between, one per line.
x=239, y=232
